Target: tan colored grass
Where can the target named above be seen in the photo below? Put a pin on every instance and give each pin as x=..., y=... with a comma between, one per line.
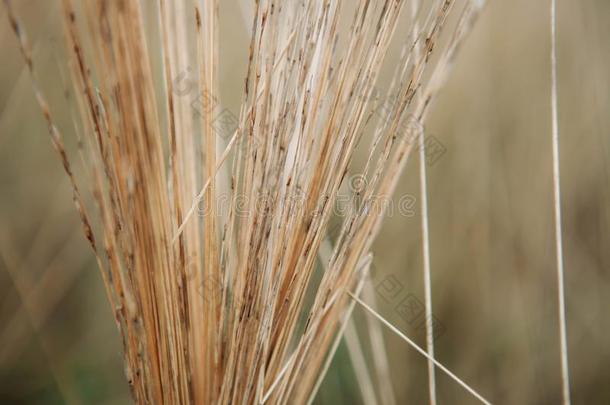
x=210, y=307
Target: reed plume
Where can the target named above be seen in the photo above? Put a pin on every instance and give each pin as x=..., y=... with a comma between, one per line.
x=208, y=226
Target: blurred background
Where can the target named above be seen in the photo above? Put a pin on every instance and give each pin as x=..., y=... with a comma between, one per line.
x=491, y=222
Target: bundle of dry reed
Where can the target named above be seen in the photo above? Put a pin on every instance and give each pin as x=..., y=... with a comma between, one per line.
x=217, y=300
